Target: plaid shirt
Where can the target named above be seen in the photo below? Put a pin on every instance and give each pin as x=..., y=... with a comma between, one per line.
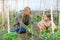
x=19, y=20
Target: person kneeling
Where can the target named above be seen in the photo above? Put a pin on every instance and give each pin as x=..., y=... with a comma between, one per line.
x=46, y=23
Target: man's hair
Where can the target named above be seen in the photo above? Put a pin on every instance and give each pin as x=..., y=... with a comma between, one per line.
x=28, y=8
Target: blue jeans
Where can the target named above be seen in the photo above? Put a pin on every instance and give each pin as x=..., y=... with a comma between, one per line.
x=21, y=29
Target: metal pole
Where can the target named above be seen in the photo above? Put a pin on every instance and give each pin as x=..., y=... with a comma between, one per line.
x=27, y=3
x=16, y=7
x=16, y=4
x=2, y=14
x=7, y=11
x=44, y=7
x=51, y=11
x=59, y=19
x=57, y=8
x=42, y=18
x=44, y=2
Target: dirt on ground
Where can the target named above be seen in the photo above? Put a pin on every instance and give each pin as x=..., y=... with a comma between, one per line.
x=22, y=36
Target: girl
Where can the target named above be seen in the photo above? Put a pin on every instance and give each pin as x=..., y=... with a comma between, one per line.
x=46, y=23
x=22, y=20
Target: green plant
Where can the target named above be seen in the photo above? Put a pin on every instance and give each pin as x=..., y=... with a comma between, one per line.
x=0, y=19
x=10, y=36
x=12, y=20
x=56, y=18
x=46, y=35
x=3, y=32
x=37, y=18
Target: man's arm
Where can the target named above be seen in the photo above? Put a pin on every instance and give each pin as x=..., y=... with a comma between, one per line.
x=20, y=21
x=31, y=19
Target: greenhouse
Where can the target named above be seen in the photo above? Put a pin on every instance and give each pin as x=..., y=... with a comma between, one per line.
x=29, y=19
